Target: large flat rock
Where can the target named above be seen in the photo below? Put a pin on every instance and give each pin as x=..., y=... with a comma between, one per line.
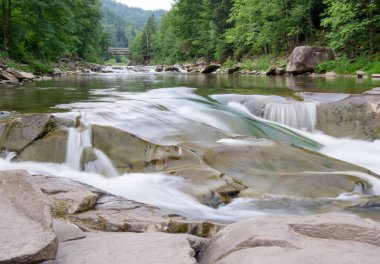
x=25, y=222
x=330, y=238
x=131, y=248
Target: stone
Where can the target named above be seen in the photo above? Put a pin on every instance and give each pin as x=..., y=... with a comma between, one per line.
x=360, y=74
x=159, y=69
x=330, y=74
x=279, y=70
x=357, y=116
x=57, y=72
x=21, y=75
x=330, y=238
x=131, y=248
x=16, y=134
x=306, y=58
x=375, y=76
x=171, y=69
x=8, y=77
x=210, y=68
x=50, y=148
x=232, y=70
x=67, y=197
x=67, y=231
x=25, y=222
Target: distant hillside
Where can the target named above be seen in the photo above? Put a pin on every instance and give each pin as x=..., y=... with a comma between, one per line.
x=122, y=23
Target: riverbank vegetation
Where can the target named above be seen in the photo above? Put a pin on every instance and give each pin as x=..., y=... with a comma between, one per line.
x=258, y=32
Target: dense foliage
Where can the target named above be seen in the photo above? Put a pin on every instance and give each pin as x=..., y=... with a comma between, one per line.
x=122, y=23
x=238, y=29
x=48, y=30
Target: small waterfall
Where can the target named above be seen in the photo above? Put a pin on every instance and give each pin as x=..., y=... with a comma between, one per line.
x=101, y=165
x=79, y=140
x=300, y=115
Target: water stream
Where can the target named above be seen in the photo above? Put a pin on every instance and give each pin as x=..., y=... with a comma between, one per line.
x=183, y=116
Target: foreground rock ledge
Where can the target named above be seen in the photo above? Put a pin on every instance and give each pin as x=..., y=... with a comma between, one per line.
x=330, y=238
x=26, y=234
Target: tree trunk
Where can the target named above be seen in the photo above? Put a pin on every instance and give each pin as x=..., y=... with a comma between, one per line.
x=372, y=39
x=4, y=25
x=9, y=21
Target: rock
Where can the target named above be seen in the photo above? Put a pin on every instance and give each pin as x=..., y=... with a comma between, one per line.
x=25, y=222
x=159, y=69
x=360, y=74
x=67, y=231
x=210, y=68
x=330, y=238
x=356, y=116
x=67, y=198
x=374, y=91
x=47, y=78
x=115, y=214
x=16, y=134
x=330, y=74
x=306, y=58
x=20, y=75
x=8, y=77
x=171, y=69
x=57, y=72
x=278, y=169
x=375, y=76
x=232, y=70
x=279, y=70
x=131, y=248
x=50, y=148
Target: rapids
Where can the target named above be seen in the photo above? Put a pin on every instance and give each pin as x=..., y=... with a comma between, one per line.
x=182, y=116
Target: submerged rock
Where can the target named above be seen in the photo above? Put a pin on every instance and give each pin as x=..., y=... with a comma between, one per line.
x=330, y=238
x=25, y=222
x=306, y=58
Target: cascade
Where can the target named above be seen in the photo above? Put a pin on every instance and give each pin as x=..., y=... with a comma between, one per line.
x=300, y=115
x=80, y=139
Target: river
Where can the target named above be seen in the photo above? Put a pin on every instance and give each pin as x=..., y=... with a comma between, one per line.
x=251, y=129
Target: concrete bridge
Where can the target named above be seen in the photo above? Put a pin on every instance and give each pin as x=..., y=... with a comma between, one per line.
x=118, y=51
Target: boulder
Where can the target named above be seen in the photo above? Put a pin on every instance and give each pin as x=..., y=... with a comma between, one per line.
x=330, y=238
x=171, y=69
x=16, y=134
x=306, y=58
x=131, y=248
x=210, y=68
x=20, y=75
x=67, y=231
x=57, y=72
x=232, y=70
x=66, y=196
x=50, y=148
x=375, y=76
x=159, y=69
x=4, y=75
x=25, y=222
x=356, y=116
x=360, y=74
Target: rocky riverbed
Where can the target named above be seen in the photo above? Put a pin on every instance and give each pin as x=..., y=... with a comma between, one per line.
x=45, y=218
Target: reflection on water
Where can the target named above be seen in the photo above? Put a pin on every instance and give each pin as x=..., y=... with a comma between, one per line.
x=41, y=96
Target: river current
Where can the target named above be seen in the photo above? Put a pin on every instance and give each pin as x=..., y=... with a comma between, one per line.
x=187, y=110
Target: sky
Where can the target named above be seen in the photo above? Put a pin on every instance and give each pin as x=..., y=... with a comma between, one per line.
x=148, y=4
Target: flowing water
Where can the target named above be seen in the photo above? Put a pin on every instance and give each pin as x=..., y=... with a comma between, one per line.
x=199, y=112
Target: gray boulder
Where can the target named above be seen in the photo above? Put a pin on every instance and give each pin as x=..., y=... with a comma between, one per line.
x=306, y=58
x=16, y=134
x=131, y=248
x=25, y=222
x=4, y=75
x=330, y=238
x=356, y=116
x=20, y=75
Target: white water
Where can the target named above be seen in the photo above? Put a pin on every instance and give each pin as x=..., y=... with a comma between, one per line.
x=300, y=115
x=163, y=112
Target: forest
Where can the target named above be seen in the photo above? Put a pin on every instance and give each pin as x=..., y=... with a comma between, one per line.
x=253, y=32
x=257, y=31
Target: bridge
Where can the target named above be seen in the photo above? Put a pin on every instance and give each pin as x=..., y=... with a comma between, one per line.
x=118, y=51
